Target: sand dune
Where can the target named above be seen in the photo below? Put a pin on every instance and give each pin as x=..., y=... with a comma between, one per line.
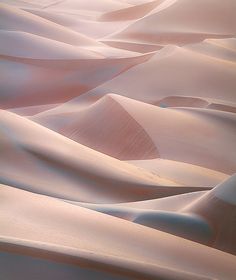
x=131, y=13
x=109, y=240
x=206, y=124
x=186, y=225
x=62, y=77
x=181, y=172
x=81, y=126
x=82, y=175
x=15, y=19
x=117, y=139
x=198, y=216
x=224, y=49
x=185, y=22
x=196, y=102
x=87, y=25
x=218, y=208
x=176, y=71
x=93, y=5
x=131, y=46
x=32, y=110
x=32, y=46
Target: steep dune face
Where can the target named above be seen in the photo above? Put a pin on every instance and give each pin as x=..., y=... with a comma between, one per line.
x=109, y=240
x=195, y=147
x=102, y=127
x=117, y=139
x=76, y=169
x=204, y=217
x=167, y=136
x=218, y=207
x=39, y=56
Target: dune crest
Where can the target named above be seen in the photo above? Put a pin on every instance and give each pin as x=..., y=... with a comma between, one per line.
x=117, y=140
x=81, y=127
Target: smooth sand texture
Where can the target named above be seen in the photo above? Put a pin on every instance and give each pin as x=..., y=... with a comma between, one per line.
x=185, y=22
x=108, y=120
x=117, y=140
x=110, y=234
x=176, y=71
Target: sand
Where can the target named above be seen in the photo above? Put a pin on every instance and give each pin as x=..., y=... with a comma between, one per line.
x=117, y=140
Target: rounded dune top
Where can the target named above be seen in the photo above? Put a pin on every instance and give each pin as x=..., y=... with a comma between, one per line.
x=186, y=17
x=226, y=191
x=131, y=13
x=33, y=46
x=121, y=137
x=14, y=19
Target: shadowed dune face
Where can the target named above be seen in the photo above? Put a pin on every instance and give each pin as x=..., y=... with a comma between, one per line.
x=205, y=217
x=101, y=127
x=185, y=22
x=179, y=101
x=186, y=226
x=79, y=175
x=176, y=71
x=131, y=13
x=218, y=208
x=109, y=242
x=64, y=78
x=117, y=140
x=189, y=101
x=17, y=19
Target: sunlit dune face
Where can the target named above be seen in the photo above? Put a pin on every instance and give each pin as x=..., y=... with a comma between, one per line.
x=117, y=140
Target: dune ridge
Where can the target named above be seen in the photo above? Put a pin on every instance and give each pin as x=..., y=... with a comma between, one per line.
x=80, y=128
x=79, y=182
x=117, y=139
x=208, y=256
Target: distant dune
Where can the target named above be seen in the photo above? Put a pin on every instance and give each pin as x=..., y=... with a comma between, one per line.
x=184, y=22
x=117, y=140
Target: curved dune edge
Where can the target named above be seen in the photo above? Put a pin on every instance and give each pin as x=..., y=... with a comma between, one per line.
x=197, y=219
x=131, y=13
x=218, y=208
x=222, y=49
x=185, y=225
x=37, y=47
x=83, y=125
x=77, y=181
x=117, y=140
x=163, y=131
x=196, y=102
x=16, y=19
x=93, y=261
x=199, y=120
x=190, y=20
x=61, y=76
x=176, y=69
x=132, y=46
x=111, y=231
x=183, y=173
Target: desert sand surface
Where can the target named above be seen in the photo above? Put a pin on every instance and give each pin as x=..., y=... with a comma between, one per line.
x=117, y=140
